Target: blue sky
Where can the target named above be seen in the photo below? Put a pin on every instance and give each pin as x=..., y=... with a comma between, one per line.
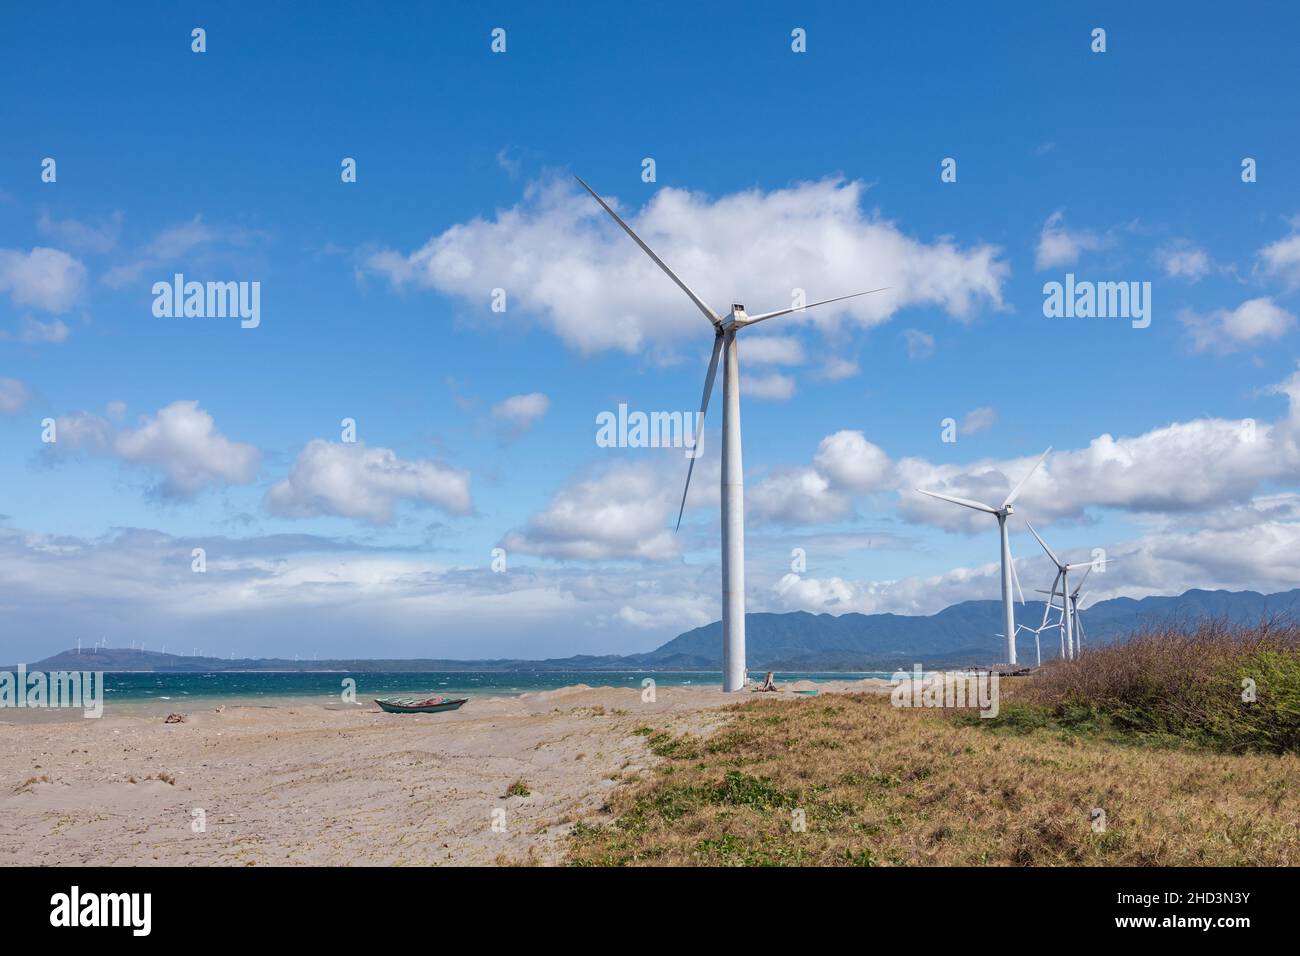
x=774, y=170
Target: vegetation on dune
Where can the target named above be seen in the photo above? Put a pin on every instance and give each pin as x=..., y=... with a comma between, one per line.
x=1223, y=686
x=852, y=780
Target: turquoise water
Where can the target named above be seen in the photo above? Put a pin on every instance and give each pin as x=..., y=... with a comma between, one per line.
x=328, y=686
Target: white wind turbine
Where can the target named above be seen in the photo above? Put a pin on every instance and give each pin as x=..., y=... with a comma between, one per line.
x=725, y=328
x=1008, y=566
x=1070, y=625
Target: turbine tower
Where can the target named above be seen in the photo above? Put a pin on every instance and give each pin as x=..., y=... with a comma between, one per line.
x=1069, y=601
x=1008, y=566
x=733, y=478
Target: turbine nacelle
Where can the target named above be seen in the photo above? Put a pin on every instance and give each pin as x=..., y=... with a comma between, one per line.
x=734, y=319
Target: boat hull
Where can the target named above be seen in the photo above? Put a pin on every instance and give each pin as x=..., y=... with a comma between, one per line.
x=410, y=706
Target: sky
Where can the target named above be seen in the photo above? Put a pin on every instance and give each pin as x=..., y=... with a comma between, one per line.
x=396, y=454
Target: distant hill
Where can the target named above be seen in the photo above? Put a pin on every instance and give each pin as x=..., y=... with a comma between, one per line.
x=965, y=633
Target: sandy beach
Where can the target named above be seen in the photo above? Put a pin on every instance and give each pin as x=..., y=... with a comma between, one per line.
x=301, y=783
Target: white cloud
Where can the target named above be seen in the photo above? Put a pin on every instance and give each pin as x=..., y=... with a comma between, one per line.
x=853, y=463
x=181, y=441
x=1182, y=260
x=978, y=420
x=1059, y=246
x=98, y=237
x=619, y=513
x=1198, y=465
x=561, y=259
x=522, y=411
x=798, y=496
x=772, y=350
x=1263, y=557
x=35, y=332
x=14, y=396
x=920, y=344
x=1254, y=322
x=1281, y=260
x=45, y=279
x=351, y=480
x=836, y=368
x=772, y=385
x=283, y=594
x=195, y=244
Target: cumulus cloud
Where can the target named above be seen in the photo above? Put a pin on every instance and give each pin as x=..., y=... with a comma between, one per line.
x=522, y=412
x=619, y=513
x=1263, y=556
x=351, y=480
x=1198, y=465
x=1059, y=246
x=45, y=279
x=1254, y=322
x=562, y=260
x=1183, y=260
x=181, y=441
x=853, y=463
x=1281, y=260
x=14, y=396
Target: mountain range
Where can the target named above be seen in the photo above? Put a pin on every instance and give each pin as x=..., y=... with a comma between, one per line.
x=963, y=634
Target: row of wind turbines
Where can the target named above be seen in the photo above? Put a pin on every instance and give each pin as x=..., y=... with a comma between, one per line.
x=1067, y=619
x=725, y=328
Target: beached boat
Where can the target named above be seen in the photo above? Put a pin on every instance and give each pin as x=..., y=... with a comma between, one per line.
x=417, y=705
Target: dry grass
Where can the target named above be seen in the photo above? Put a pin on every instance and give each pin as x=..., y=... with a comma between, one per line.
x=880, y=785
x=1186, y=683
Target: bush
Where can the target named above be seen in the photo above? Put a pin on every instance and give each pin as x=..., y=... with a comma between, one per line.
x=1189, y=684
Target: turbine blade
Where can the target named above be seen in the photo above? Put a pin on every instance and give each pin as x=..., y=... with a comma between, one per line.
x=965, y=502
x=1015, y=577
x=1055, y=560
x=840, y=298
x=708, y=313
x=699, y=429
x=1082, y=579
x=1016, y=490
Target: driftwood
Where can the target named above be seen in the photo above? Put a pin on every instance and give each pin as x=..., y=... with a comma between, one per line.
x=175, y=719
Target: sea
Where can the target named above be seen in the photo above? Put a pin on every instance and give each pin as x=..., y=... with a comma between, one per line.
x=328, y=687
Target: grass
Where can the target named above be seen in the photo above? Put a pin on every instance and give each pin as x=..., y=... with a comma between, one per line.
x=849, y=780
x=518, y=789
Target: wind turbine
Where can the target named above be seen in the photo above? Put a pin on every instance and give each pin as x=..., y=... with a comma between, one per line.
x=1008, y=566
x=1069, y=602
x=733, y=479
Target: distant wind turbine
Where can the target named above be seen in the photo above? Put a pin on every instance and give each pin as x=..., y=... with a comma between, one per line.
x=1008, y=566
x=1071, y=626
x=733, y=479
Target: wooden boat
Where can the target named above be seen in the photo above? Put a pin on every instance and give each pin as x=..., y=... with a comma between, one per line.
x=416, y=705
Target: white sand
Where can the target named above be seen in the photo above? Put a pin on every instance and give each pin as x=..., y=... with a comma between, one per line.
x=307, y=784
